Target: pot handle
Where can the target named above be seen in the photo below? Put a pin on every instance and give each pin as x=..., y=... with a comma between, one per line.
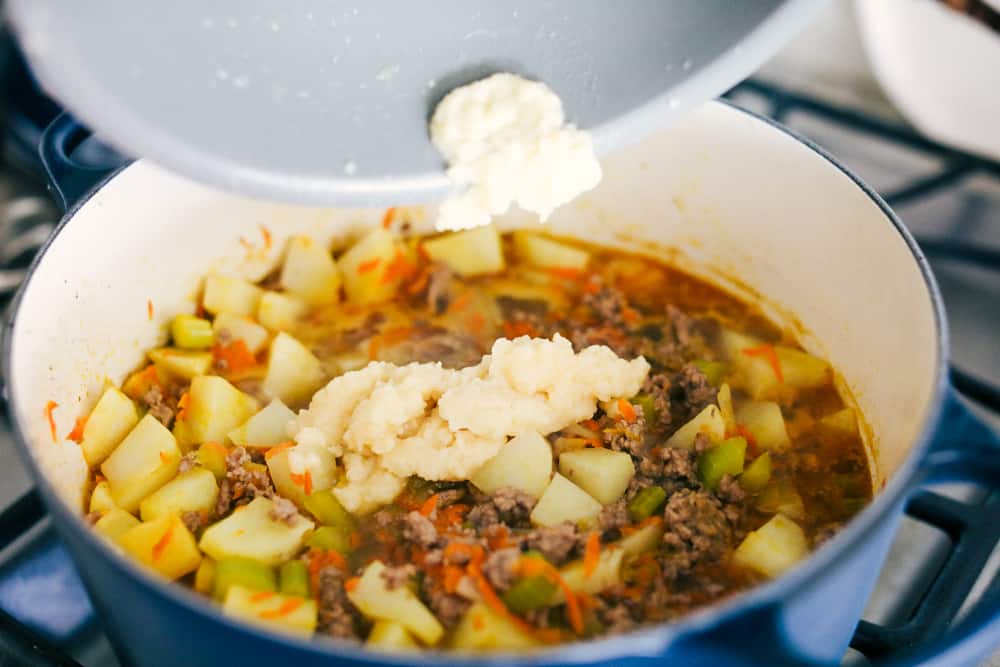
x=74, y=160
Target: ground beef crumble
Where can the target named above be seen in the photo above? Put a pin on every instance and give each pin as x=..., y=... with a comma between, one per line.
x=500, y=568
x=194, y=520
x=161, y=406
x=242, y=483
x=337, y=617
x=283, y=510
x=397, y=575
x=508, y=505
x=690, y=393
x=623, y=436
x=696, y=530
x=419, y=529
x=556, y=543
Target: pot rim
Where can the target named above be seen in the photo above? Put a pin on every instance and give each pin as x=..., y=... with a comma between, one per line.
x=652, y=640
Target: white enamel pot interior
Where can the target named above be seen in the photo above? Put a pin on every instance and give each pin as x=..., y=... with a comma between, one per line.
x=721, y=193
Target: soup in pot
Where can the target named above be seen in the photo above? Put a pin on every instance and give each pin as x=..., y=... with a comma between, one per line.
x=476, y=441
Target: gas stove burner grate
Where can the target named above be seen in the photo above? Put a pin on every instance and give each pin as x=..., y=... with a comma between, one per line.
x=969, y=526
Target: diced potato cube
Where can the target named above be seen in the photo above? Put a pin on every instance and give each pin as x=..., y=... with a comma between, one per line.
x=365, y=264
x=204, y=576
x=482, y=629
x=250, y=532
x=799, y=370
x=756, y=475
x=645, y=539
x=165, y=545
x=608, y=573
x=280, y=312
x=328, y=511
x=191, y=491
x=725, y=400
x=802, y=370
x=185, y=364
x=228, y=327
x=602, y=473
x=224, y=294
x=309, y=272
x=390, y=636
x=709, y=421
x=764, y=421
x=843, y=422
x=146, y=459
x=524, y=463
x=139, y=383
x=471, y=252
x=265, y=429
x=293, y=372
x=115, y=523
x=564, y=501
x=773, y=548
x=108, y=424
x=548, y=254
x=100, y=498
x=212, y=457
x=373, y=598
x=285, y=613
x=190, y=332
x=296, y=468
x=215, y=407
x=782, y=497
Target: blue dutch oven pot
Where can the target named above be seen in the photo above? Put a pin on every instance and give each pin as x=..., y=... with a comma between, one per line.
x=803, y=618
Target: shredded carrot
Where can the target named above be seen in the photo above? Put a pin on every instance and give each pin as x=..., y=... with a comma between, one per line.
x=182, y=406
x=418, y=285
x=352, y=584
x=516, y=329
x=626, y=410
x=214, y=445
x=473, y=551
x=387, y=218
x=596, y=443
x=536, y=566
x=478, y=622
x=149, y=309
x=49, y=407
x=76, y=435
x=565, y=272
x=277, y=449
x=266, y=233
x=498, y=536
x=355, y=539
x=422, y=251
x=460, y=302
x=429, y=505
x=452, y=576
x=399, y=268
x=453, y=514
x=389, y=337
x=743, y=430
x=286, y=608
x=591, y=424
x=161, y=545
x=628, y=530
x=246, y=244
x=261, y=596
x=476, y=323
x=591, y=554
x=591, y=287
x=631, y=315
x=767, y=351
x=369, y=265
x=237, y=356
x=164, y=457
x=304, y=480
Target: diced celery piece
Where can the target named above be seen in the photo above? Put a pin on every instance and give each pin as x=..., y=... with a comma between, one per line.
x=114, y=523
x=646, y=503
x=251, y=532
x=165, y=545
x=309, y=272
x=757, y=474
x=329, y=537
x=204, y=576
x=293, y=578
x=191, y=491
x=390, y=636
x=549, y=254
x=109, y=422
x=528, y=594
x=773, y=548
x=293, y=372
x=782, y=497
x=146, y=459
x=765, y=422
x=236, y=571
x=564, y=501
x=524, y=462
x=602, y=473
x=212, y=457
x=228, y=327
x=191, y=332
x=648, y=405
x=471, y=252
x=715, y=371
x=327, y=509
x=224, y=294
x=373, y=598
x=280, y=312
x=265, y=429
x=285, y=613
x=709, y=421
x=724, y=458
